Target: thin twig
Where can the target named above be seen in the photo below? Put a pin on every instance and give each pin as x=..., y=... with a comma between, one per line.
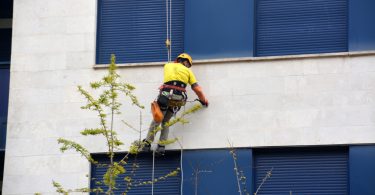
x=132, y=128
x=140, y=126
x=232, y=151
x=182, y=170
x=268, y=175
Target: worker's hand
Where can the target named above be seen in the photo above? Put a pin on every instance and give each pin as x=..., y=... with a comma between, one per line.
x=204, y=103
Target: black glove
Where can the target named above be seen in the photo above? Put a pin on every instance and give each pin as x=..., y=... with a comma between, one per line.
x=203, y=103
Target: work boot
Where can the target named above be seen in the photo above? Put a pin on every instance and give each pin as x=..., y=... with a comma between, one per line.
x=160, y=150
x=146, y=147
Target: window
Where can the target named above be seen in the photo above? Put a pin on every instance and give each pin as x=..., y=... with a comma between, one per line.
x=302, y=170
x=212, y=171
x=163, y=165
x=219, y=29
x=5, y=46
x=135, y=31
x=6, y=12
x=4, y=90
x=362, y=169
x=286, y=27
x=2, y=157
x=361, y=25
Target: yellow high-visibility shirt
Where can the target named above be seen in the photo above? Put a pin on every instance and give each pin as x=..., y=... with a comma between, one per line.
x=178, y=72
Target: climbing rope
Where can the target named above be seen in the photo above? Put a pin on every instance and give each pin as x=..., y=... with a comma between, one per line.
x=182, y=173
x=168, y=41
x=153, y=173
x=170, y=28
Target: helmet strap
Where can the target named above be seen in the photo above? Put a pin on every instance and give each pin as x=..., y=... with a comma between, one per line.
x=187, y=64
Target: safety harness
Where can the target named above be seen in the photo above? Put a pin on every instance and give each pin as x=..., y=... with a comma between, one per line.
x=175, y=92
x=165, y=86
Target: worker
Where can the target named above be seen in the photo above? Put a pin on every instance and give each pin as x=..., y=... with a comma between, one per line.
x=172, y=96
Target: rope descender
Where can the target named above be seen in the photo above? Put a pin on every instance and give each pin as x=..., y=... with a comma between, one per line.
x=168, y=44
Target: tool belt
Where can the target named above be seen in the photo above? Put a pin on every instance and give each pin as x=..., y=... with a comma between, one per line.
x=175, y=103
x=167, y=100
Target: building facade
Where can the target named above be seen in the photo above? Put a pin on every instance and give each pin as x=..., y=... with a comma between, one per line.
x=5, y=50
x=291, y=86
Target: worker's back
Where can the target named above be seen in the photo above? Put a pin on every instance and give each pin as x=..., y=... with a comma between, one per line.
x=178, y=72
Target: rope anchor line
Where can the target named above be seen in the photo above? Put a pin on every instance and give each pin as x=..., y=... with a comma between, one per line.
x=168, y=41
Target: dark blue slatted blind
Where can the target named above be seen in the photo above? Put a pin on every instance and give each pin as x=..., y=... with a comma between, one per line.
x=219, y=29
x=163, y=165
x=6, y=9
x=307, y=172
x=4, y=100
x=5, y=47
x=135, y=30
x=286, y=27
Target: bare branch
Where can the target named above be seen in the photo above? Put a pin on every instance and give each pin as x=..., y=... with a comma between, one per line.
x=268, y=175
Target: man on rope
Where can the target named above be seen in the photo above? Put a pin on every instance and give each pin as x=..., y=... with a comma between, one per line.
x=172, y=96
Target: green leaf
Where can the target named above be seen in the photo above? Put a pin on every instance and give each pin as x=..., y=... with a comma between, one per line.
x=93, y=132
x=67, y=144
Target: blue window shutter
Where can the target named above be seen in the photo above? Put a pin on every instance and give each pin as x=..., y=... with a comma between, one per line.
x=212, y=171
x=362, y=170
x=6, y=9
x=308, y=171
x=219, y=29
x=5, y=47
x=2, y=158
x=163, y=165
x=135, y=30
x=361, y=25
x=287, y=27
x=4, y=100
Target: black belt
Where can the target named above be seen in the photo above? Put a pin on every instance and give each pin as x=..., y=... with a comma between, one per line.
x=176, y=83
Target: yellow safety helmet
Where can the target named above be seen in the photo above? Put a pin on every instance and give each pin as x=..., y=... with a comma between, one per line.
x=186, y=56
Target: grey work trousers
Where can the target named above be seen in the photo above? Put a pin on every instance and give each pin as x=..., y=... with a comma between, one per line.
x=164, y=129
